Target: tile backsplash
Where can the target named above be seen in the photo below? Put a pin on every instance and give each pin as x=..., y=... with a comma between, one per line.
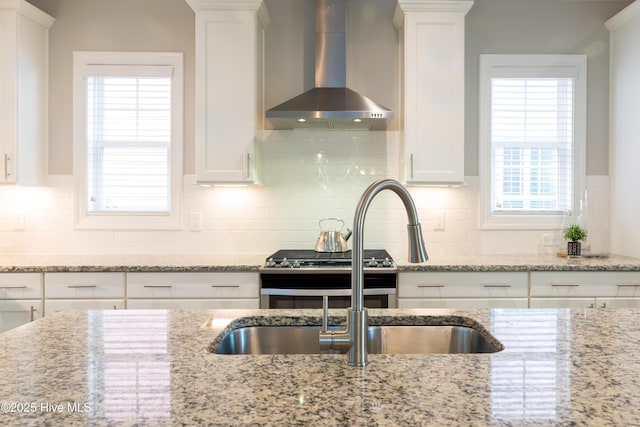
x=305, y=176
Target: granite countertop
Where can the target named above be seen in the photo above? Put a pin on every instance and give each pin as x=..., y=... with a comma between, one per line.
x=253, y=262
x=122, y=368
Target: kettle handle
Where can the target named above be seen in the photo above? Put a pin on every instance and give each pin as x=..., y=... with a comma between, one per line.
x=331, y=219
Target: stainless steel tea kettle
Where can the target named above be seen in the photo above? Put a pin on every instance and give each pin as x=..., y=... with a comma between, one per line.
x=331, y=238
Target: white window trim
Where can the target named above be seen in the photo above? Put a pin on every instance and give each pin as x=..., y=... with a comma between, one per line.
x=141, y=221
x=489, y=63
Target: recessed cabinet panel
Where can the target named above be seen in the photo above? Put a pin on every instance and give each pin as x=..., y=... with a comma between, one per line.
x=432, y=48
x=562, y=302
x=24, y=32
x=52, y=306
x=14, y=313
x=229, y=89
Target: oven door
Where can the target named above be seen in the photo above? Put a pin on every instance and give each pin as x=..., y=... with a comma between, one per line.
x=312, y=298
x=305, y=290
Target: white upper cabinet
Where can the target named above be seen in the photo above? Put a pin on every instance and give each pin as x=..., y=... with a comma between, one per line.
x=24, y=33
x=229, y=88
x=432, y=89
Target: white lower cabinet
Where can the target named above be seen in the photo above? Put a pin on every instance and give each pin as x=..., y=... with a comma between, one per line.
x=20, y=299
x=585, y=289
x=193, y=290
x=462, y=290
x=14, y=313
x=84, y=291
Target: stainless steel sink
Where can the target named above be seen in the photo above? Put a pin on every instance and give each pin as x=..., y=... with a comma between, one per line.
x=380, y=340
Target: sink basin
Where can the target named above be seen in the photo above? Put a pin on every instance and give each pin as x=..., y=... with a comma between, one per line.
x=380, y=340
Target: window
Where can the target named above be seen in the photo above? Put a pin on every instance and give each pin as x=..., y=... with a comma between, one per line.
x=532, y=139
x=128, y=139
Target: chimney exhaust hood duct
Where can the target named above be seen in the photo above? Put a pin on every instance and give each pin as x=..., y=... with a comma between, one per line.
x=330, y=104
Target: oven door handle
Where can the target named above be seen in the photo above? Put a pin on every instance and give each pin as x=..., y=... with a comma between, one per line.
x=323, y=292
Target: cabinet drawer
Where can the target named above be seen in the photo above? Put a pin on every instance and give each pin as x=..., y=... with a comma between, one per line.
x=20, y=285
x=193, y=285
x=464, y=303
x=463, y=284
x=585, y=284
x=192, y=304
x=84, y=285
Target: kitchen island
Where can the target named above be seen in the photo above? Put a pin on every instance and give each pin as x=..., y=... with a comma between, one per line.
x=128, y=367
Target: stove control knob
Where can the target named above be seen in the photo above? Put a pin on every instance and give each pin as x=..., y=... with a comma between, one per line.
x=372, y=262
x=285, y=263
x=270, y=263
x=386, y=262
x=296, y=264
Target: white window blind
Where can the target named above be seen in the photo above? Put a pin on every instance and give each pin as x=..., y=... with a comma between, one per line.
x=128, y=127
x=532, y=123
x=532, y=144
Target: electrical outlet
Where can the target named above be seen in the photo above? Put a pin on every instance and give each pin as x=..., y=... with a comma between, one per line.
x=439, y=220
x=19, y=221
x=195, y=221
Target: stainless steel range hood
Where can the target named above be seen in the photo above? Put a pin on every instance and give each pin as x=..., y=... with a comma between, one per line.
x=330, y=104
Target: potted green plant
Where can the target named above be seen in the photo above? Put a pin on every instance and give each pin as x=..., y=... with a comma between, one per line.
x=574, y=234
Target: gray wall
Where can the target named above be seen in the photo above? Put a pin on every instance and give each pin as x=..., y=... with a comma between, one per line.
x=493, y=26
x=543, y=26
x=118, y=25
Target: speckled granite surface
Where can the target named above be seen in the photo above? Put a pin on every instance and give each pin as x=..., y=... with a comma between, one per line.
x=560, y=367
x=253, y=262
x=128, y=263
x=522, y=263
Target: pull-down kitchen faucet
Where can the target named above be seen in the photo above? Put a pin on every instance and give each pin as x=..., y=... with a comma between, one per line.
x=354, y=338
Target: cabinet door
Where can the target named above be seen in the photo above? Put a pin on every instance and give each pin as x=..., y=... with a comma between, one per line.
x=54, y=305
x=23, y=93
x=84, y=285
x=563, y=302
x=14, y=313
x=229, y=92
x=433, y=91
x=618, y=302
x=463, y=303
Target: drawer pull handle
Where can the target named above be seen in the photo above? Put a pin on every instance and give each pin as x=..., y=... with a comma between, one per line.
x=32, y=313
x=496, y=285
x=628, y=285
x=81, y=286
x=158, y=286
x=13, y=287
x=435, y=285
x=565, y=285
x=225, y=286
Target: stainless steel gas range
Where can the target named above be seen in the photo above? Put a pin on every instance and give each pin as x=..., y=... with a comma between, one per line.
x=300, y=278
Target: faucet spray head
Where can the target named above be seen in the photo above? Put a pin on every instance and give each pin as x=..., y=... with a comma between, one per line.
x=417, y=251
